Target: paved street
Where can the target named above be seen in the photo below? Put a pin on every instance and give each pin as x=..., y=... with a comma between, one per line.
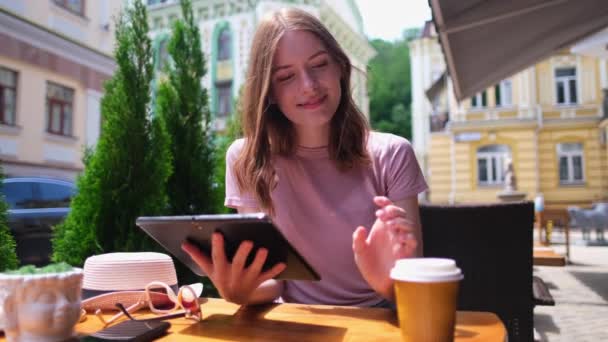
x=580, y=291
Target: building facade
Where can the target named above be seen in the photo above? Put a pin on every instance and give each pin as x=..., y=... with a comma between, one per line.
x=548, y=119
x=227, y=29
x=54, y=57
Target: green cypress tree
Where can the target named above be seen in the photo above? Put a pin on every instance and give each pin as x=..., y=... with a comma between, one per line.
x=126, y=176
x=8, y=254
x=182, y=102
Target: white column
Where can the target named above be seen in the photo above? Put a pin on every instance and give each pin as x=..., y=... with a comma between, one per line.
x=452, y=196
x=603, y=74
x=579, y=81
x=603, y=83
x=533, y=96
x=93, y=117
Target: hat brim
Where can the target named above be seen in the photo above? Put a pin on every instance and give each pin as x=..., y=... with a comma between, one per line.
x=107, y=301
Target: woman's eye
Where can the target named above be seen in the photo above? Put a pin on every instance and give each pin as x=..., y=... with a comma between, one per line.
x=285, y=78
x=320, y=65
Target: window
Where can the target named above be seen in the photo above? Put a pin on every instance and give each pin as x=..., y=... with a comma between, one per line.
x=203, y=13
x=59, y=105
x=504, y=93
x=158, y=23
x=156, y=2
x=438, y=121
x=223, y=46
x=570, y=163
x=8, y=96
x=54, y=195
x=565, y=84
x=491, y=164
x=224, y=99
x=74, y=6
x=19, y=195
x=479, y=100
x=219, y=10
x=163, y=54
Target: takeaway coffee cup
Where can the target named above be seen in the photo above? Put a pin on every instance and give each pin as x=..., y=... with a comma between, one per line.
x=426, y=292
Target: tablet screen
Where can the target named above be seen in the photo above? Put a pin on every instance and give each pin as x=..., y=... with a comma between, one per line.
x=171, y=231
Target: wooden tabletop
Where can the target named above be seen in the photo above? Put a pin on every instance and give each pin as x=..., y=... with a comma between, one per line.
x=224, y=321
x=545, y=256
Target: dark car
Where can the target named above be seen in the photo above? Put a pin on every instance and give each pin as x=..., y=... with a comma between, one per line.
x=35, y=206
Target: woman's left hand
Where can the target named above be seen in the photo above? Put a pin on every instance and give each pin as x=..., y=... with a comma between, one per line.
x=394, y=235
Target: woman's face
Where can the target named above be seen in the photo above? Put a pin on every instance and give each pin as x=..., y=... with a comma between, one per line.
x=305, y=80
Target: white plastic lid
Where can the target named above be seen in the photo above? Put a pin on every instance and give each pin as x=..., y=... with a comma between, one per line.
x=426, y=270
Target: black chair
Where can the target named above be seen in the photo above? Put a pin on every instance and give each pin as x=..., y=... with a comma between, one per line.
x=492, y=245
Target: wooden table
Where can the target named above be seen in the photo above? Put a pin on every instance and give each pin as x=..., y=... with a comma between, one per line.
x=546, y=256
x=224, y=321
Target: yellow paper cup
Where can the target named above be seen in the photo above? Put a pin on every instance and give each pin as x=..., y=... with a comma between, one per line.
x=426, y=293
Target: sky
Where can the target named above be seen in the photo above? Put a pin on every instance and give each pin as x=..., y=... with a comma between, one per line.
x=387, y=19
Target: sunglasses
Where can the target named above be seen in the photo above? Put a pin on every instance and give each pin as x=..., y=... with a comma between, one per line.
x=161, y=299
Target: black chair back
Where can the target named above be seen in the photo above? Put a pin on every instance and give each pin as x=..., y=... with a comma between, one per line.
x=492, y=245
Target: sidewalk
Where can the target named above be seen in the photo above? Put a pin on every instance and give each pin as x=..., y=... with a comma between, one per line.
x=580, y=291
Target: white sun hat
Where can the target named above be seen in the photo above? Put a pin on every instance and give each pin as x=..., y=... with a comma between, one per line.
x=122, y=277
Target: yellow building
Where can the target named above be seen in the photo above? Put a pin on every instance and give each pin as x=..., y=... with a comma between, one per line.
x=546, y=118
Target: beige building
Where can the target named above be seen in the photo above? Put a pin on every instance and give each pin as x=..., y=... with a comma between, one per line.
x=227, y=28
x=547, y=119
x=54, y=58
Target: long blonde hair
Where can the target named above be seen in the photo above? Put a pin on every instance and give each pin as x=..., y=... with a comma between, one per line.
x=267, y=131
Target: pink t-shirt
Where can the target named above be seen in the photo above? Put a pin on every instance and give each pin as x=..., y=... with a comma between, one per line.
x=318, y=208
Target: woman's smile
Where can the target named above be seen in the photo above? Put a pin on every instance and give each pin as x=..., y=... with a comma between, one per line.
x=313, y=103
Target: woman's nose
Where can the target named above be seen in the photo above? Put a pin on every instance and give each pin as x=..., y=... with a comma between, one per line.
x=310, y=81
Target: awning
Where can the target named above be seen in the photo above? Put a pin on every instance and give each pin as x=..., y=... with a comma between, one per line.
x=595, y=45
x=436, y=88
x=485, y=41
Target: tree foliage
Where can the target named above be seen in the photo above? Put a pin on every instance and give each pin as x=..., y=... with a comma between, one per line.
x=126, y=175
x=390, y=87
x=8, y=255
x=182, y=102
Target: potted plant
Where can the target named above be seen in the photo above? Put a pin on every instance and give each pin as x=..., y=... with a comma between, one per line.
x=40, y=304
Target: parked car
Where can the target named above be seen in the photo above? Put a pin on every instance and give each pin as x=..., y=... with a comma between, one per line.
x=35, y=206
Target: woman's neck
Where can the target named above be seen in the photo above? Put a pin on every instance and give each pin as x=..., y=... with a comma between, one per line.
x=313, y=137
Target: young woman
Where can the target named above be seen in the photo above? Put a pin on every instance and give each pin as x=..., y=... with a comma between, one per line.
x=345, y=197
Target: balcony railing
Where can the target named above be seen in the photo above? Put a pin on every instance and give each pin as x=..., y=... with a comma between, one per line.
x=547, y=112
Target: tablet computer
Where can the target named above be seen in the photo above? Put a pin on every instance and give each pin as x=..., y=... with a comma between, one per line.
x=171, y=231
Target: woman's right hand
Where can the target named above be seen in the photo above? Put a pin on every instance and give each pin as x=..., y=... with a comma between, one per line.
x=235, y=282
